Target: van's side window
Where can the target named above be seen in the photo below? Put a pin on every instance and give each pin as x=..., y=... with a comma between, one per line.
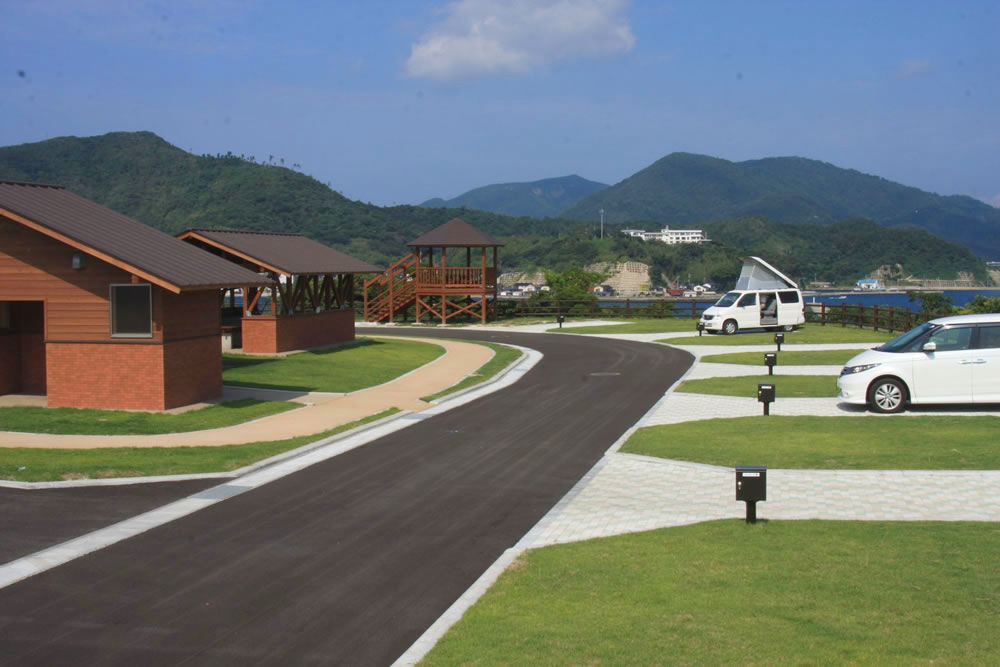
x=989, y=336
x=951, y=338
x=789, y=297
x=748, y=300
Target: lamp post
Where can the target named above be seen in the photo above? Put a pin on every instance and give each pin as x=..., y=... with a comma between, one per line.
x=602, y=223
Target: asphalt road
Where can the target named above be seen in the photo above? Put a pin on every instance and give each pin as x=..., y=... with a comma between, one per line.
x=350, y=560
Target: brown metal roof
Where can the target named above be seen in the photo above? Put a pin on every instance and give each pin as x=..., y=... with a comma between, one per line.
x=290, y=254
x=455, y=233
x=119, y=239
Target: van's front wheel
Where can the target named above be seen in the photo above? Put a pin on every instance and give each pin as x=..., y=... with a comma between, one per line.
x=730, y=327
x=788, y=327
x=887, y=395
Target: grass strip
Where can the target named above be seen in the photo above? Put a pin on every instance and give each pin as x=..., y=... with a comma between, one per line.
x=658, y=325
x=895, y=442
x=786, y=357
x=808, y=333
x=503, y=356
x=365, y=363
x=724, y=592
x=44, y=465
x=74, y=421
x=785, y=386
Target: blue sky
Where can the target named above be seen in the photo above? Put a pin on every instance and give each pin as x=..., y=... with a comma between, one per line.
x=397, y=102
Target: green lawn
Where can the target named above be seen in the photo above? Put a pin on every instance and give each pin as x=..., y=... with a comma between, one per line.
x=897, y=442
x=503, y=356
x=42, y=465
x=662, y=325
x=366, y=363
x=71, y=421
x=786, y=357
x=808, y=333
x=785, y=386
x=725, y=592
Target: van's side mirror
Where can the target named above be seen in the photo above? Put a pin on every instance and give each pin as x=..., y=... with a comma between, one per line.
x=929, y=347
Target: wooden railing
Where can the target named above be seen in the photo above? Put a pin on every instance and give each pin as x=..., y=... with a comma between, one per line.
x=392, y=290
x=456, y=277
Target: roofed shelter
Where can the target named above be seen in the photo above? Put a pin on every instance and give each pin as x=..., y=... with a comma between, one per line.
x=438, y=277
x=314, y=284
x=98, y=310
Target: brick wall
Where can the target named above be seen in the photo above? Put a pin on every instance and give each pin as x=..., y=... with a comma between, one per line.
x=267, y=335
x=120, y=376
x=192, y=370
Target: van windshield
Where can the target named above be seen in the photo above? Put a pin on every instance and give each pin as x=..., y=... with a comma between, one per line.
x=901, y=343
x=728, y=299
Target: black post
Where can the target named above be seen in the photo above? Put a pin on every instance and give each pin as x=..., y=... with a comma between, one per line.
x=751, y=511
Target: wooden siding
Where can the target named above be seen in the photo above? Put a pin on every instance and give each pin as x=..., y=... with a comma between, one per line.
x=34, y=267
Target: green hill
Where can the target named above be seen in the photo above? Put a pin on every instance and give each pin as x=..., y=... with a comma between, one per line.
x=537, y=199
x=840, y=253
x=143, y=176
x=683, y=189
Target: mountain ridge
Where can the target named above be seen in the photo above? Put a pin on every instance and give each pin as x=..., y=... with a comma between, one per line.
x=538, y=199
x=687, y=188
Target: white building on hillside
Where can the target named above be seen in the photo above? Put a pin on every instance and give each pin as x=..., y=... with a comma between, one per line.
x=669, y=236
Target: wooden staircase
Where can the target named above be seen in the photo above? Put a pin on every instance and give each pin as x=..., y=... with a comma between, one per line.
x=395, y=290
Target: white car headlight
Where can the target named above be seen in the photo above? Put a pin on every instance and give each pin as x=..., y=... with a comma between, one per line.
x=851, y=370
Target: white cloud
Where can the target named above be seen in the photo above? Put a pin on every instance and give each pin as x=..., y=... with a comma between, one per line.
x=994, y=201
x=486, y=38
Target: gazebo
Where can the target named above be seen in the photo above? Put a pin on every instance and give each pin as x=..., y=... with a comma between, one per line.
x=312, y=302
x=440, y=279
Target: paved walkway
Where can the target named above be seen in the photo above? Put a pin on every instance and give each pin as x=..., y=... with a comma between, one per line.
x=320, y=411
x=627, y=493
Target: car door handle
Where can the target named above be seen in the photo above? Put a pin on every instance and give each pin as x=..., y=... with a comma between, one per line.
x=972, y=361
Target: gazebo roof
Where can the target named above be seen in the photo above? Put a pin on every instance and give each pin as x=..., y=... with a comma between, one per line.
x=455, y=233
x=119, y=240
x=288, y=254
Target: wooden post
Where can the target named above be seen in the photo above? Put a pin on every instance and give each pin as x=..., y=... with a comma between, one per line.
x=694, y=309
x=843, y=314
x=628, y=308
x=875, y=318
x=822, y=314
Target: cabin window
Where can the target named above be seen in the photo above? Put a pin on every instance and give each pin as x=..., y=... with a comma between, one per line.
x=132, y=311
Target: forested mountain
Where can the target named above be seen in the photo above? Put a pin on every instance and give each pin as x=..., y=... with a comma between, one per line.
x=141, y=175
x=683, y=189
x=841, y=252
x=538, y=199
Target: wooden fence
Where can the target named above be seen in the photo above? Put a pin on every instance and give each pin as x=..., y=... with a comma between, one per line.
x=877, y=318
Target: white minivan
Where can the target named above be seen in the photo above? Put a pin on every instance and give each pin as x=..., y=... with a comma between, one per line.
x=764, y=298
x=948, y=360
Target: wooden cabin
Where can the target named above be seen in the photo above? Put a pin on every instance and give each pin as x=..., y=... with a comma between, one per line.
x=311, y=303
x=98, y=310
x=451, y=271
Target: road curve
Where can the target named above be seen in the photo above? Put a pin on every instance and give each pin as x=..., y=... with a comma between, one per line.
x=348, y=561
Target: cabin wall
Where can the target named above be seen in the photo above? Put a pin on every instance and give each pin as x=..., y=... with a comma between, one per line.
x=269, y=335
x=72, y=356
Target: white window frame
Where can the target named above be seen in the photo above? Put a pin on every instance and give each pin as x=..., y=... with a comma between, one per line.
x=111, y=310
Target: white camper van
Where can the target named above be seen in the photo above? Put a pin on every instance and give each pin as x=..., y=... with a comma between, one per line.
x=764, y=298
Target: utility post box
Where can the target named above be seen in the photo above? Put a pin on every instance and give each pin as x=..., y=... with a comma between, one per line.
x=779, y=338
x=700, y=327
x=560, y=319
x=765, y=395
x=751, y=487
x=770, y=360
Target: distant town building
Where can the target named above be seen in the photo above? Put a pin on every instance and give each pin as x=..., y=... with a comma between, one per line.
x=866, y=284
x=669, y=236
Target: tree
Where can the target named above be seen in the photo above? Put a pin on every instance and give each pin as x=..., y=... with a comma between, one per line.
x=935, y=303
x=573, y=284
x=983, y=305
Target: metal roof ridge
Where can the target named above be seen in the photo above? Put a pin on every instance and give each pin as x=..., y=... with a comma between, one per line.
x=33, y=184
